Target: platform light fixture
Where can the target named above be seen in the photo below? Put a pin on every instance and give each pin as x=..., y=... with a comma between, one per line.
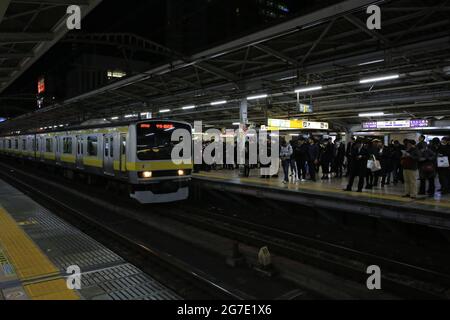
x=217, y=103
x=370, y=62
x=256, y=97
x=371, y=114
x=308, y=89
x=188, y=107
x=164, y=110
x=115, y=118
x=236, y=123
x=378, y=79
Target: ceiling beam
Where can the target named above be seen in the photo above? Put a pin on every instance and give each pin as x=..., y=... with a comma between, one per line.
x=54, y=2
x=276, y=54
x=15, y=55
x=3, y=7
x=59, y=31
x=362, y=26
x=24, y=37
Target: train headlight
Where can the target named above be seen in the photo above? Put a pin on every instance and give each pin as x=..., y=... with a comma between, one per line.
x=181, y=172
x=145, y=174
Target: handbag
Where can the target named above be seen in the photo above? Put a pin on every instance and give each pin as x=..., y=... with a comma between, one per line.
x=442, y=162
x=374, y=165
x=428, y=168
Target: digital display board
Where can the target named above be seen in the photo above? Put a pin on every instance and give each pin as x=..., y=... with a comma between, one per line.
x=396, y=124
x=280, y=124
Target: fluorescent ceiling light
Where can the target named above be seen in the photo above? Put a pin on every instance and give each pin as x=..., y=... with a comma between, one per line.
x=308, y=89
x=287, y=78
x=164, y=110
x=188, y=107
x=261, y=96
x=130, y=116
x=371, y=114
x=216, y=103
x=377, y=79
x=115, y=118
x=236, y=123
x=371, y=62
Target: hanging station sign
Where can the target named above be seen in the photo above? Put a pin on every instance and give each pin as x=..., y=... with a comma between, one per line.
x=396, y=124
x=305, y=108
x=280, y=124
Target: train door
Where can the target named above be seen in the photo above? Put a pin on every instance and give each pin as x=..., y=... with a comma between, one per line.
x=80, y=152
x=41, y=148
x=123, y=152
x=58, y=149
x=108, y=154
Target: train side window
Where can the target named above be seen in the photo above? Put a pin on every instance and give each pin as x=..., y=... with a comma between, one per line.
x=124, y=145
x=67, y=146
x=37, y=146
x=33, y=144
x=49, y=145
x=92, y=146
x=9, y=144
x=111, y=148
x=16, y=144
x=106, y=147
x=24, y=144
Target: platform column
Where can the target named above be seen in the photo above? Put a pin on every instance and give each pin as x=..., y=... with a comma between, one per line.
x=243, y=112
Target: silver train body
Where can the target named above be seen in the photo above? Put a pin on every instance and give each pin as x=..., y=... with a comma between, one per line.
x=137, y=154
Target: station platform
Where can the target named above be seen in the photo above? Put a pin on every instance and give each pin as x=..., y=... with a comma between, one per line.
x=382, y=202
x=37, y=247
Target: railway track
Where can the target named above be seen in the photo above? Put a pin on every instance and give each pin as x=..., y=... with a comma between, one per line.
x=403, y=279
x=189, y=282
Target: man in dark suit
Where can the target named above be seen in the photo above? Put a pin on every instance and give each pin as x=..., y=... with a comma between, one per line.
x=358, y=165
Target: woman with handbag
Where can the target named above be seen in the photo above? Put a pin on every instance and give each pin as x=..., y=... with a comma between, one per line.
x=427, y=170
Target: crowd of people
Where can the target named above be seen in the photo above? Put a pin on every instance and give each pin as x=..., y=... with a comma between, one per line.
x=371, y=161
x=415, y=164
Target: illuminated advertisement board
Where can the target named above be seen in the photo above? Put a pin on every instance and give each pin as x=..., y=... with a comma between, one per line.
x=396, y=124
x=280, y=124
x=41, y=85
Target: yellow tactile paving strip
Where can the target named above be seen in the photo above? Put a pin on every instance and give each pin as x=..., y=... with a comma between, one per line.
x=50, y=290
x=322, y=188
x=30, y=263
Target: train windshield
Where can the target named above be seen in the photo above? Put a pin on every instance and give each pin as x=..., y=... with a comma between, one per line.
x=154, y=140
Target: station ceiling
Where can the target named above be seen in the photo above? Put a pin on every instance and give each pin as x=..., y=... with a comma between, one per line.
x=28, y=29
x=331, y=48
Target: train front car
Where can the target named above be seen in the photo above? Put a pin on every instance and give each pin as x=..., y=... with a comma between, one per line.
x=154, y=175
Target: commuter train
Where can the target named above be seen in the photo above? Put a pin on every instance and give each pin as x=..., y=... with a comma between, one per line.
x=136, y=154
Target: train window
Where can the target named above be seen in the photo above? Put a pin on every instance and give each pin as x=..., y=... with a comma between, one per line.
x=16, y=144
x=124, y=145
x=154, y=140
x=33, y=143
x=111, y=151
x=37, y=146
x=24, y=144
x=49, y=145
x=92, y=144
x=106, y=147
x=9, y=144
x=67, y=145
